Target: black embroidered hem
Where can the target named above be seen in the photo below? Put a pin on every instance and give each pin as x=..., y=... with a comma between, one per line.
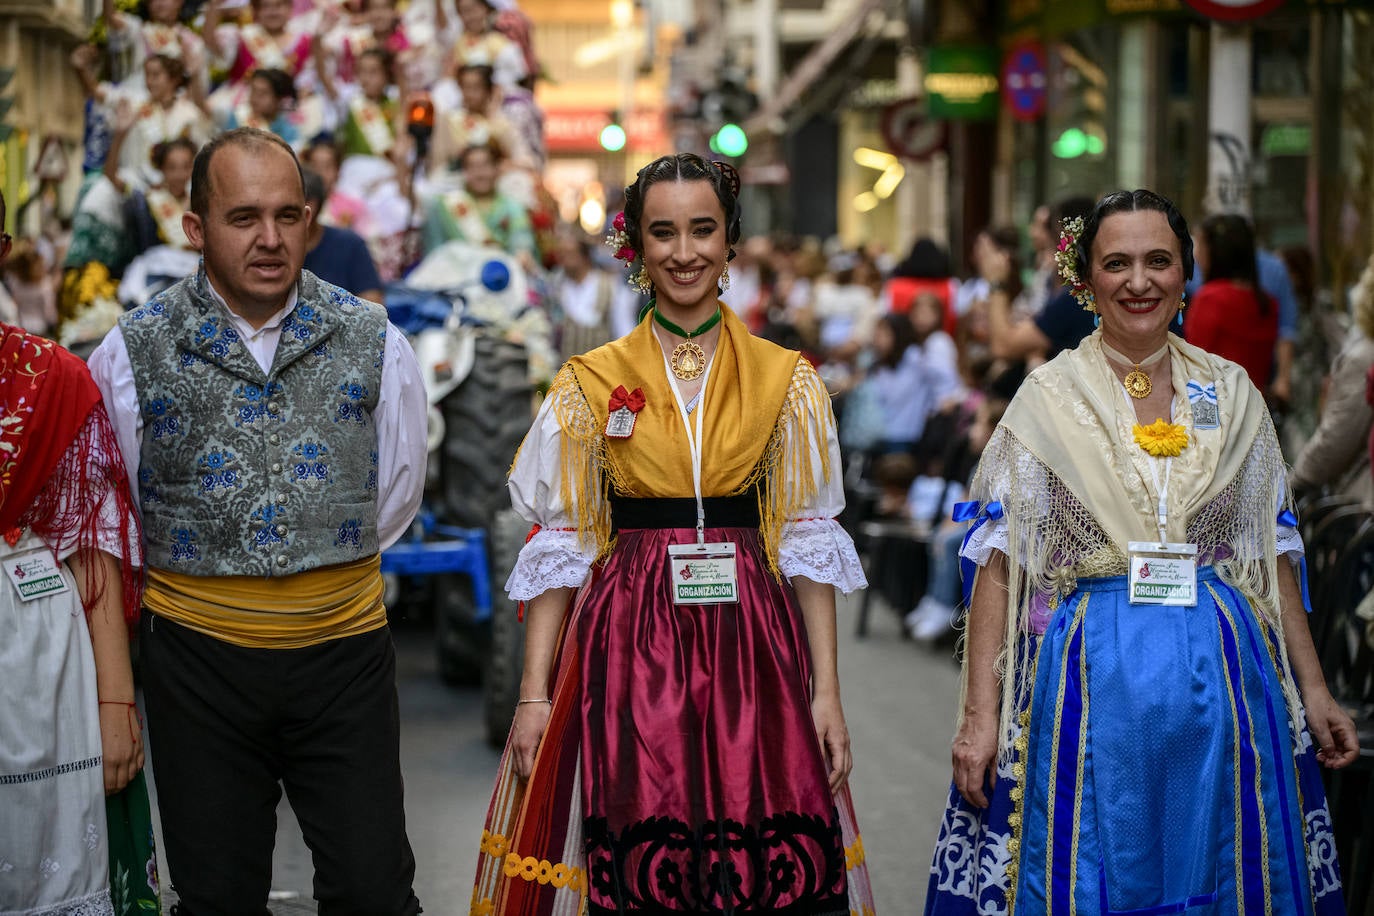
x=788, y=864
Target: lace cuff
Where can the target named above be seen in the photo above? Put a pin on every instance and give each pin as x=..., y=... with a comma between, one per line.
x=553, y=558
x=822, y=551
x=1289, y=543
x=990, y=536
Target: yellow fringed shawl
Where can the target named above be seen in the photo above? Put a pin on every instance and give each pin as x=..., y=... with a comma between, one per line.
x=767, y=425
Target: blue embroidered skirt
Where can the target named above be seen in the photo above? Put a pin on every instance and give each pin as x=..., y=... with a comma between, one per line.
x=1157, y=770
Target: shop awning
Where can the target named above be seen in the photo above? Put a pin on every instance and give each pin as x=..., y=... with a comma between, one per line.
x=816, y=62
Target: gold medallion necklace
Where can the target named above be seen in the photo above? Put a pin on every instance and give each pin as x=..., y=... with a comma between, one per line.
x=1137, y=382
x=688, y=359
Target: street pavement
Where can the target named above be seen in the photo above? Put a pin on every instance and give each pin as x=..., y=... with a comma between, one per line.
x=900, y=703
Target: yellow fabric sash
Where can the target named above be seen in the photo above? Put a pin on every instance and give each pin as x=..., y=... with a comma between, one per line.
x=289, y=612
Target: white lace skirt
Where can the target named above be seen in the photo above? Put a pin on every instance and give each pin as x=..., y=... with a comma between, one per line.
x=53, y=838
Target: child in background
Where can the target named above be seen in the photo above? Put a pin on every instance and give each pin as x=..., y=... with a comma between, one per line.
x=938, y=611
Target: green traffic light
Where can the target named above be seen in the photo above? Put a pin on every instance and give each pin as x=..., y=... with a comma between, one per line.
x=613, y=138
x=731, y=140
x=1071, y=144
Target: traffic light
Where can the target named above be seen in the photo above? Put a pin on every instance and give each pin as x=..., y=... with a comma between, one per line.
x=730, y=140
x=725, y=107
x=613, y=135
x=6, y=102
x=420, y=122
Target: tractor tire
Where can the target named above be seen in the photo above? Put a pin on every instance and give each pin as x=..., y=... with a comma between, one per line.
x=506, y=655
x=460, y=640
x=485, y=421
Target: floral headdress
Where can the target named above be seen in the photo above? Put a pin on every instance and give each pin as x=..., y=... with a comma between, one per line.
x=618, y=240
x=1066, y=263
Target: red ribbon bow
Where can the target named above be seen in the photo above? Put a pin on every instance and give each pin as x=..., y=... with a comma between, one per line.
x=631, y=399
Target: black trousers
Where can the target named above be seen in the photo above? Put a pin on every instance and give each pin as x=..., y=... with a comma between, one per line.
x=229, y=727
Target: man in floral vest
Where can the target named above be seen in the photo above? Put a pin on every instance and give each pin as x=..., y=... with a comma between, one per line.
x=275, y=426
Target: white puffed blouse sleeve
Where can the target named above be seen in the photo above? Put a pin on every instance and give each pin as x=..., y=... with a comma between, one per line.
x=813, y=544
x=554, y=557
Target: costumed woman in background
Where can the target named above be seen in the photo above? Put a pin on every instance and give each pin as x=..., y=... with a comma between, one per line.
x=679, y=744
x=164, y=254
x=1147, y=749
x=71, y=731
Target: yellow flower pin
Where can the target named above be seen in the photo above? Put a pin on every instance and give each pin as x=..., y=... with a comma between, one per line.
x=1161, y=439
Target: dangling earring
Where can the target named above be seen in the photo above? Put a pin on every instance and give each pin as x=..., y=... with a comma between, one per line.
x=1097, y=320
x=724, y=283
x=640, y=280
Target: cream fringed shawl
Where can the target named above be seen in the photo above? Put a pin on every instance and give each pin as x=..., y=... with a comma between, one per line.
x=1075, y=489
x=767, y=423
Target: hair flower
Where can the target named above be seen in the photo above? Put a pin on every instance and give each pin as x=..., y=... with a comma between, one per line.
x=1066, y=263
x=618, y=240
x=1161, y=438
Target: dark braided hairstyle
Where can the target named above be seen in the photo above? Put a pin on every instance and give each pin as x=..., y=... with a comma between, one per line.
x=1131, y=202
x=685, y=167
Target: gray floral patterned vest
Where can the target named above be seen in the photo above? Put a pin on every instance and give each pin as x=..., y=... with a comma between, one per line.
x=243, y=473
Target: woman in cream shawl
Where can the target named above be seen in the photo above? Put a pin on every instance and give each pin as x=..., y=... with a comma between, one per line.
x=1115, y=755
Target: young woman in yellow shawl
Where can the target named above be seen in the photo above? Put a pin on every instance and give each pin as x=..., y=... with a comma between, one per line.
x=1141, y=697
x=679, y=744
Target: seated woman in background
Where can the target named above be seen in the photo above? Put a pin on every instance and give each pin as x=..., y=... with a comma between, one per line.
x=1230, y=316
x=898, y=384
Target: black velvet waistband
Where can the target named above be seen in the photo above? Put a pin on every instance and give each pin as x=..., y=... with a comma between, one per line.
x=721, y=512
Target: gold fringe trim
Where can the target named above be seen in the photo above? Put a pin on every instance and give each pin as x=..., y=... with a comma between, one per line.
x=785, y=476
x=589, y=473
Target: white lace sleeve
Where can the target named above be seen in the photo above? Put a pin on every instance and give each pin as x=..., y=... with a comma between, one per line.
x=815, y=546
x=822, y=551
x=554, y=557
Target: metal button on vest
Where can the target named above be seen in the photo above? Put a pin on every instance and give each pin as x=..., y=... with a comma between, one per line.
x=282, y=560
x=272, y=406
x=281, y=498
x=274, y=438
x=276, y=467
x=281, y=531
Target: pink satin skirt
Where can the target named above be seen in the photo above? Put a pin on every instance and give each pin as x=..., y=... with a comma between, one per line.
x=704, y=788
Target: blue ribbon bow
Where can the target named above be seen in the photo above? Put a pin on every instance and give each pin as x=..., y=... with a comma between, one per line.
x=1197, y=392
x=980, y=515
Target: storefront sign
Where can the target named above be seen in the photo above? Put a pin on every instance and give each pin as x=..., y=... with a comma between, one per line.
x=578, y=130
x=1024, y=81
x=961, y=83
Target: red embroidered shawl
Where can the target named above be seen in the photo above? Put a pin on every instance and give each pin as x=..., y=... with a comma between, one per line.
x=60, y=460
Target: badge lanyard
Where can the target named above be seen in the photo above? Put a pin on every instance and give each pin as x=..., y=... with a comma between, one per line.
x=694, y=444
